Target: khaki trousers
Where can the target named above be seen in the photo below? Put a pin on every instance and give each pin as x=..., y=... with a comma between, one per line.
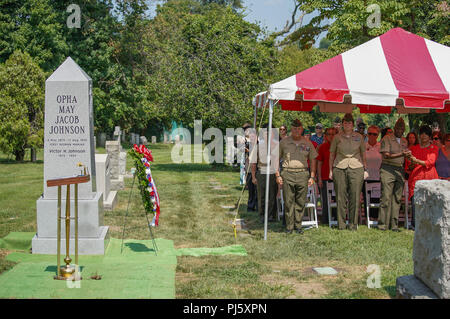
x=295, y=190
x=392, y=184
x=348, y=185
x=261, y=193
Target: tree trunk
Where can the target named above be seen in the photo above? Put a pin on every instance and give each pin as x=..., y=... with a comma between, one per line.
x=20, y=154
x=33, y=155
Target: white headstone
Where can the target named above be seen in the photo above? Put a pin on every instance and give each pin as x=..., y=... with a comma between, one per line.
x=117, y=133
x=153, y=139
x=69, y=128
x=102, y=164
x=69, y=140
x=143, y=140
x=102, y=140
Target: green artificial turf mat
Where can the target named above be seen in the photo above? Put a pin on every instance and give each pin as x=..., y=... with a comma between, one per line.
x=135, y=272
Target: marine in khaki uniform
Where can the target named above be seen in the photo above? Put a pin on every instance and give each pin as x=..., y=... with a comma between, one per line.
x=348, y=170
x=393, y=149
x=295, y=150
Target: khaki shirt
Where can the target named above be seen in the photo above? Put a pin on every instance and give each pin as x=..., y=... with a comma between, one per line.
x=348, y=150
x=295, y=154
x=389, y=144
x=259, y=156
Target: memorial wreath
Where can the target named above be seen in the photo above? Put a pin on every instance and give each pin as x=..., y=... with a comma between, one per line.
x=150, y=198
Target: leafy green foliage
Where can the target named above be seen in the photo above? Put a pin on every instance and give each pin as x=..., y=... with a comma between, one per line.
x=32, y=26
x=204, y=65
x=21, y=104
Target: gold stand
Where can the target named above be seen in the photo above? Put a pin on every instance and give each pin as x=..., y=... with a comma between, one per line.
x=67, y=271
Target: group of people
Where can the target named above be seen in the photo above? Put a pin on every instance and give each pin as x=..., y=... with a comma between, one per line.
x=346, y=157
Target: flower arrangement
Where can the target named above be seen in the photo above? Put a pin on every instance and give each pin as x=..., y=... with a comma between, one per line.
x=150, y=198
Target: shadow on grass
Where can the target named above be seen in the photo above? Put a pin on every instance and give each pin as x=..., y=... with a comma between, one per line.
x=12, y=161
x=391, y=290
x=140, y=248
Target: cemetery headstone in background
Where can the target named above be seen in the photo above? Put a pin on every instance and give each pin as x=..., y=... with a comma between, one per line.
x=69, y=140
x=103, y=170
x=113, y=149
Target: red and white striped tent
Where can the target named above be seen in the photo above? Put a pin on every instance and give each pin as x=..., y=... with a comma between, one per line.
x=397, y=69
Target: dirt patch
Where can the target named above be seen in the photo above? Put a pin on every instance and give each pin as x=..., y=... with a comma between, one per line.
x=184, y=277
x=309, y=290
x=4, y=253
x=116, y=228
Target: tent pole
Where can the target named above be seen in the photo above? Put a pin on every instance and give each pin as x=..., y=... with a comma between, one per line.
x=269, y=139
x=255, y=115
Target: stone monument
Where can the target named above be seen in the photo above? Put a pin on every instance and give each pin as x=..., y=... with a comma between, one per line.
x=69, y=140
x=153, y=139
x=117, y=133
x=102, y=139
x=144, y=140
x=103, y=170
x=431, y=250
x=113, y=149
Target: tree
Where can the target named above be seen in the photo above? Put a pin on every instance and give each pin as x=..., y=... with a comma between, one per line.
x=21, y=105
x=32, y=26
x=204, y=65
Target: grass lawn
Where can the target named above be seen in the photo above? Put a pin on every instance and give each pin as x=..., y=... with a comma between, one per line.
x=192, y=216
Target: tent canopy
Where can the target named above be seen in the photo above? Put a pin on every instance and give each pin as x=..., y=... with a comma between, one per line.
x=397, y=69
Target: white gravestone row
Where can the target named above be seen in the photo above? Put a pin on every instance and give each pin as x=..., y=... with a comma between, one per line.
x=69, y=140
x=103, y=170
x=134, y=139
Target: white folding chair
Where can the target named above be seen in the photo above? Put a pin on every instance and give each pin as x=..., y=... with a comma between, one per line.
x=311, y=203
x=373, y=191
x=331, y=203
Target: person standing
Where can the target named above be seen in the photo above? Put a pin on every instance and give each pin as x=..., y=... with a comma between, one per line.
x=283, y=132
x=393, y=148
x=318, y=137
x=348, y=171
x=250, y=140
x=259, y=174
x=443, y=159
x=323, y=170
x=373, y=158
x=412, y=139
x=337, y=124
x=373, y=155
x=295, y=177
x=361, y=129
x=423, y=156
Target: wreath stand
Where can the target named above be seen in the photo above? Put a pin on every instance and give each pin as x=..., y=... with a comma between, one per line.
x=149, y=224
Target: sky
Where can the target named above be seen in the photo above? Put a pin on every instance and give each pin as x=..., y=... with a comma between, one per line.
x=274, y=14
x=271, y=14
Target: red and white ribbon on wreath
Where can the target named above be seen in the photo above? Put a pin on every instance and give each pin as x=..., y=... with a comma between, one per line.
x=153, y=192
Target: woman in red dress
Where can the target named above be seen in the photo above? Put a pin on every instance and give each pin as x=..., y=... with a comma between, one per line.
x=423, y=157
